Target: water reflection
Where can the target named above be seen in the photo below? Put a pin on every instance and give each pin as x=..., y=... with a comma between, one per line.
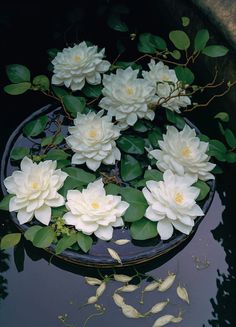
x=4, y=266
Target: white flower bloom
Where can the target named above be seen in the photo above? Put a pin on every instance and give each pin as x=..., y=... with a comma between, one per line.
x=35, y=188
x=183, y=152
x=92, y=211
x=93, y=140
x=172, y=203
x=167, y=86
x=126, y=97
x=74, y=66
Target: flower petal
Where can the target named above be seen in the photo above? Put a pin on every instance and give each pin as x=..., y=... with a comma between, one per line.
x=43, y=214
x=165, y=229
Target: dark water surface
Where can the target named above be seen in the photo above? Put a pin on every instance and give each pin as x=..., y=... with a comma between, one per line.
x=34, y=295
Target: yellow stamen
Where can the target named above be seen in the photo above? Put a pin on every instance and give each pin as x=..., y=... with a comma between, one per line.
x=165, y=78
x=77, y=58
x=185, y=151
x=130, y=90
x=93, y=133
x=35, y=185
x=95, y=205
x=179, y=198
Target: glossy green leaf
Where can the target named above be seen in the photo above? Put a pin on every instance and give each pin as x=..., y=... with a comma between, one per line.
x=74, y=104
x=215, y=51
x=140, y=127
x=85, y=241
x=113, y=189
x=59, y=91
x=31, y=232
x=41, y=82
x=56, y=154
x=149, y=43
x=66, y=242
x=35, y=127
x=137, y=204
x=92, y=91
x=217, y=170
x=44, y=237
x=204, y=138
x=114, y=21
x=52, y=140
x=201, y=39
x=125, y=64
x=10, y=240
x=143, y=229
x=80, y=175
x=180, y=39
x=63, y=163
x=17, y=89
x=204, y=189
x=52, y=52
x=185, y=21
x=223, y=116
x=153, y=175
x=18, y=73
x=184, y=74
x=217, y=149
x=130, y=168
x=230, y=138
x=58, y=212
x=131, y=144
x=176, y=54
x=70, y=184
x=231, y=157
x=19, y=153
x=4, y=203
x=154, y=137
x=176, y=119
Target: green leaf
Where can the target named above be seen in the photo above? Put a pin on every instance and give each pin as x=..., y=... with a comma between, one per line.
x=230, y=138
x=19, y=153
x=16, y=89
x=153, y=175
x=65, y=242
x=176, y=119
x=114, y=21
x=4, y=203
x=154, y=137
x=44, y=237
x=35, y=127
x=201, y=40
x=184, y=74
x=31, y=232
x=58, y=212
x=59, y=91
x=125, y=64
x=140, y=127
x=52, y=53
x=56, y=154
x=217, y=149
x=131, y=144
x=143, y=229
x=215, y=51
x=204, y=138
x=231, y=157
x=74, y=104
x=175, y=54
x=130, y=168
x=85, y=241
x=149, y=43
x=223, y=116
x=41, y=82
x=217, y=170
x=180, y=39
x=80, y=175
x=92, y=91
x=52, y=140
x=18, y=73
x=185, y=21
x=137, y=204
x=204, y=189
x=10, y=240
x=63, y=163
x=113, y=189
x=70, y=184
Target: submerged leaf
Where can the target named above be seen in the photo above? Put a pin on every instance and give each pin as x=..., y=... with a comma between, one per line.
x=92, y=299
x=128, y=288
x=159, y=307
x=122, y=278
x=114, y=255
x=101, y=289
x=130, y=312
x=93, y=281
x=163, y=320
x=167, y=283
x=122, y=241
x=152, y=286
x=182, y=294
x=119, y=300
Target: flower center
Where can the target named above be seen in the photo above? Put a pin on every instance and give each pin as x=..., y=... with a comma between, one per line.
x=179, y=198
x=95, y=205
x=165, y=78
x=77, y=58
x=35, y=186
x=129, y=90
x=185, y=151
x=93, y=133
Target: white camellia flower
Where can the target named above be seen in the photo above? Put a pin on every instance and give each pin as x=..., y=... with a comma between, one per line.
x=170, y=95
x=92, y=211
x=183, y=152
x=35, y=188
x=74, y=66
x=172, y=203
x=93, y=140
x=127, y=97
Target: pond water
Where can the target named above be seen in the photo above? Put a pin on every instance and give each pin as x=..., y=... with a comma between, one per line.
x=39, y=289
